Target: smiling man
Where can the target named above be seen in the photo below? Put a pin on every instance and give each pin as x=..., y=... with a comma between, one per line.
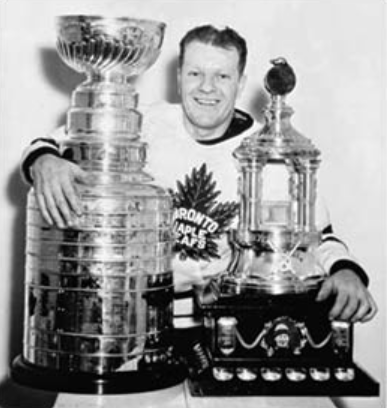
x=211, y=77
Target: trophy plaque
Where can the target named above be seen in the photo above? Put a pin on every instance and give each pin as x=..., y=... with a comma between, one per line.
x=265, y=334
x=99, y=295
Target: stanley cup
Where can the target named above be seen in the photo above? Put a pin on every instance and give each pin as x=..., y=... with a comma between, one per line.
x=99, y=295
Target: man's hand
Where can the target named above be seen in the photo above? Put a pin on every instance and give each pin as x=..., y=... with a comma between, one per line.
x=198, y=274
x=353, y=302
x=190, y=273
x=55, y=189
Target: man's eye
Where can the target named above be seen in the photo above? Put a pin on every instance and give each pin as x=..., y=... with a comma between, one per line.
x=193, y=73
x=223, y=76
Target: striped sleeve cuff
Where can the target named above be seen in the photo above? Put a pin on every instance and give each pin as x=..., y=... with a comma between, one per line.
x=353, y=266
x=334, y=255
x=31, y=157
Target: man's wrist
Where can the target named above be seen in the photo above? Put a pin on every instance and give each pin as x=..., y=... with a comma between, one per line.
x=32, y=157
x=351, y=265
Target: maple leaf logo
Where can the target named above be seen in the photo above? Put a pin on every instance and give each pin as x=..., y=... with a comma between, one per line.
x=199, y=219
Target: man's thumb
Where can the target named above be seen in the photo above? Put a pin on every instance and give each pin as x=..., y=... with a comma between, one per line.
x=83, y=177
x=325, y=291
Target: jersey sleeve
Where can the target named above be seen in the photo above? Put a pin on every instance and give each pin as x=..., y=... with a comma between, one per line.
x=333, y=254
x=37, y=148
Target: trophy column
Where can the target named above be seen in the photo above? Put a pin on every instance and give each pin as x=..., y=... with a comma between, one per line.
x=99, y=295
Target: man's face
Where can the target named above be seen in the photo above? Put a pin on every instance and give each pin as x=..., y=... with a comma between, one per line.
x=209, y=84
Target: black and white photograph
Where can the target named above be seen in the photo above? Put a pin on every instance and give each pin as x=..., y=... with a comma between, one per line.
x=194, y=203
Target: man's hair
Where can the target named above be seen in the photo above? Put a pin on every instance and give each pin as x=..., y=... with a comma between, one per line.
x=226, y=38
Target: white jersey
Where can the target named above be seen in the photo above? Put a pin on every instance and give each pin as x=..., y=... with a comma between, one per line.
x=173, y=153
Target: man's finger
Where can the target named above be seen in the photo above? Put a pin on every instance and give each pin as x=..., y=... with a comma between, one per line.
x=72, y=197
x=325, y=291
x=43, y=208
x=61, y=203
x=362, y=311
x=339, y=305
x=372, y=310
x=53, y=210
x=64, y=208
x=350, y=308
x=82, y=176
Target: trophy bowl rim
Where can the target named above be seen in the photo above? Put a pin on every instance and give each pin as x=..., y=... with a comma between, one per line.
x=60, y=19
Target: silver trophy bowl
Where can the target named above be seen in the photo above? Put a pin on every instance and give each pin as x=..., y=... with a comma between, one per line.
x=96, y=44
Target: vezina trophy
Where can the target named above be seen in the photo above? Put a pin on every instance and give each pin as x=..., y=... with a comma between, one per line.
x=99, y=295
x=265, y=332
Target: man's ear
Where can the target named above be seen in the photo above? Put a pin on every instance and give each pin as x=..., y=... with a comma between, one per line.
x=241, y=85
x=178, y=78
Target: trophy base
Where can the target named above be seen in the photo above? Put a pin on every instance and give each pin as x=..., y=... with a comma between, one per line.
x=31, y=375
x=264, y=344
x=362, y=385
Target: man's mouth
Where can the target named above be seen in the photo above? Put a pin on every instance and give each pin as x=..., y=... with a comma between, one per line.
x=206, y=102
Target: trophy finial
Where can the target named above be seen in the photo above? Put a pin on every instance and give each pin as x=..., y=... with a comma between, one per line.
x=281, y=79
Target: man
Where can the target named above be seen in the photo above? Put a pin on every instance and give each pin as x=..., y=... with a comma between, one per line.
x=190, y=152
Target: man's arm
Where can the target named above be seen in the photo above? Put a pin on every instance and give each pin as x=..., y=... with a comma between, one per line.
x=347, y=281
x=54, y=180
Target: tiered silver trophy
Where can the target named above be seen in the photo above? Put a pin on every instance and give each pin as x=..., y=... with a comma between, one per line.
x=99, y=295
x=276, y=239
x=265, y=331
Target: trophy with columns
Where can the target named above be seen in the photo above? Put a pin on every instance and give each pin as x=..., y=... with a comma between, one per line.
x=99, y=295
x=265, y=332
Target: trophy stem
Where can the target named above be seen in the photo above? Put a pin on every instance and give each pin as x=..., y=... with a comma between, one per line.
x=108, y=77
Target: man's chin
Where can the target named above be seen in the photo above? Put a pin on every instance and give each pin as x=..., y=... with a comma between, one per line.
x=208, y=124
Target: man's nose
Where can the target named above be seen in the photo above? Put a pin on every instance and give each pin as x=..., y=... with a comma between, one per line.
x=208, y=83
